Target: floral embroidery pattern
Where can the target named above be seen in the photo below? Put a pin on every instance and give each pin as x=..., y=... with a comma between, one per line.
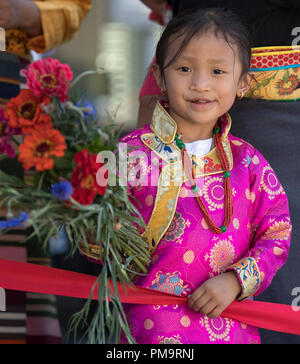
x=16, y=42
x=162, y=148
x=129, y=137
x=176, y=339
x=270, y=183
x=166, y=152
x=280, y=230
x=288, y=84
x=251, y=196
x=176, y=229
x=213, y=192
x=247, y=161
x=248, y=272
x=137, y=170
x=218, y=328
x=210, y=166
x=170, y=283
x=221, y=256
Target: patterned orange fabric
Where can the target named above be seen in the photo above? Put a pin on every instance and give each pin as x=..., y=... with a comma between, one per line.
x=61, y=19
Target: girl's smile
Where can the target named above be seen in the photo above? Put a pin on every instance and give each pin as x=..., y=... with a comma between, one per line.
x=199, y=104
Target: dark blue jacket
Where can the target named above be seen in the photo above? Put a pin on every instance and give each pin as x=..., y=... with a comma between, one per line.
x=271, y=21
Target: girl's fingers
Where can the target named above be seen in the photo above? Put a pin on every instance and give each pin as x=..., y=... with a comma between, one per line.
x=196, y=296
x=198, y=305
x=215, y=313
x=209, y=308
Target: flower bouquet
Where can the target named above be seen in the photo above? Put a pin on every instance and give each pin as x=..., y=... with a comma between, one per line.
x=55, y=135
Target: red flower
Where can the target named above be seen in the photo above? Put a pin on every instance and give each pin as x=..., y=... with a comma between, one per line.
x=49, y=77
x=84, y=178
x=25, y=112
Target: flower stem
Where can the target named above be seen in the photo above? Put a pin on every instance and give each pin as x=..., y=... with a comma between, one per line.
x=41, y=181
x=84, y=74
x=15, y=140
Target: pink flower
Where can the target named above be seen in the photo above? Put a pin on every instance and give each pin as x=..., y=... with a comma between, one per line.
x=49, y=77
x=6, y=132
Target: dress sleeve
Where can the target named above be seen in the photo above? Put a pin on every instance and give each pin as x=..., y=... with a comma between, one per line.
x=61, y=19
x=270, y=230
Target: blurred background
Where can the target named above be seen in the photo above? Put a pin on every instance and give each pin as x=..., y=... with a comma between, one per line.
x=117, y=36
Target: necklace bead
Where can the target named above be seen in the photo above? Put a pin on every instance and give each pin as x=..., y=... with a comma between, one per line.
x=180, y=144
x=223, y=229
x=195, y=189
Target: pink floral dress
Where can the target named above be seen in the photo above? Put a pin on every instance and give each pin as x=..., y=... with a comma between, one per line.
x=185, y=253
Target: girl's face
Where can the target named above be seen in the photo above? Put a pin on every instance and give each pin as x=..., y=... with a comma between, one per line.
x=203, y=83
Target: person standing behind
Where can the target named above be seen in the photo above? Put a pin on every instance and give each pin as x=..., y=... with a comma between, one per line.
x=39, y=26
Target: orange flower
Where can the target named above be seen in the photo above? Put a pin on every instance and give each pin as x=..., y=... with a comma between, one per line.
x=39, y=149
x=26, y=112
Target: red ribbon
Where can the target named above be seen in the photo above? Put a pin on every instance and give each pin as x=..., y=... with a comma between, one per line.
x=37, y=279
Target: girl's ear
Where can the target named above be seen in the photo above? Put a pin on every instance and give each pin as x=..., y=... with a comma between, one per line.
x=158, y=76
x=245, y=84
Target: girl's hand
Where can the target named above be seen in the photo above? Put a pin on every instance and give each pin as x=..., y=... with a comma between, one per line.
x=215, y=295
x=22, y=14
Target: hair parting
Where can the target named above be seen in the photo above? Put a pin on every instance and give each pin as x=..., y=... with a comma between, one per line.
x=222, y=22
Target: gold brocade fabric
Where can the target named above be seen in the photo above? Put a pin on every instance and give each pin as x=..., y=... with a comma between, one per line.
x=16, y=42
x=60, y=19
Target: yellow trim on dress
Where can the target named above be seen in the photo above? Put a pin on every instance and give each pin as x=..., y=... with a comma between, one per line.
x=249, y=276
x=171, y=179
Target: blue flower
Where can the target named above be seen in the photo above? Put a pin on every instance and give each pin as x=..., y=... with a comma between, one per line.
x=62, y=190
x=13, y=223
x=23, y=217
x=89, y=109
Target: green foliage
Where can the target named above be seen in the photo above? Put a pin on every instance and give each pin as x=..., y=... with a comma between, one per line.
x=123, y=252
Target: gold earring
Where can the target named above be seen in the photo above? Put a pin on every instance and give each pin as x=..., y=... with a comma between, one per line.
x=241, y=96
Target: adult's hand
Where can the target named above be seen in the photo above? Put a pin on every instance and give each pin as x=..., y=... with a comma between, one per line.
x=21, y=14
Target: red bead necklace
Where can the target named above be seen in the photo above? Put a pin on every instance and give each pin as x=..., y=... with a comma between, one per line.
x=227, y=184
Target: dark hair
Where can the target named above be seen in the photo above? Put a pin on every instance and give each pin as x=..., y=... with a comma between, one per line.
x=188, y=24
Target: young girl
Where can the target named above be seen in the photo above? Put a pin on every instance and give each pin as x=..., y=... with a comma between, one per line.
x=224, y=230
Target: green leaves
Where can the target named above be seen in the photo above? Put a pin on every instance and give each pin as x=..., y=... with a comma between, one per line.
x=122, y=251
